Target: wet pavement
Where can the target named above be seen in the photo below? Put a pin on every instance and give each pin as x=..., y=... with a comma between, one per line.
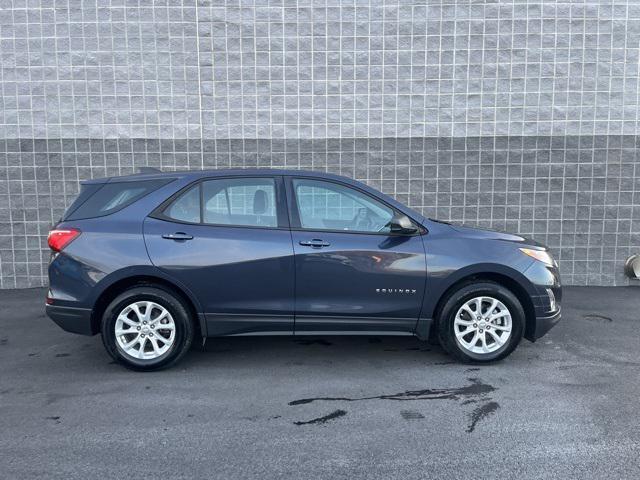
x=326, y=407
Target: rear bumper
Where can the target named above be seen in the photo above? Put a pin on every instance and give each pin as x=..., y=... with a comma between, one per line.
x=544, y=324
x=71, y=319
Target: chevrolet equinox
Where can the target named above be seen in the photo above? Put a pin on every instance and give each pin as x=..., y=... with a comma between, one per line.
x=152, y=260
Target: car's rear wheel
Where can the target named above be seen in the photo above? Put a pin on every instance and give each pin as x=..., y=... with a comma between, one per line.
x=147, y=328
x=481, y=322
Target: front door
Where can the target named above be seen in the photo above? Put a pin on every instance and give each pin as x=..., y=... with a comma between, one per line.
x=352, y=273
x=227, y=240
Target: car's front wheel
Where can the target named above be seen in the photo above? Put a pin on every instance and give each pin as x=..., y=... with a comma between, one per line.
x=481, y=322
x=147, y=328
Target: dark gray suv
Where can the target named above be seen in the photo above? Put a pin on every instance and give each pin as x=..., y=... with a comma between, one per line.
x=152, y=260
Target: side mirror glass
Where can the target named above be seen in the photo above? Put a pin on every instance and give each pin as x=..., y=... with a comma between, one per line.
x=400, y=223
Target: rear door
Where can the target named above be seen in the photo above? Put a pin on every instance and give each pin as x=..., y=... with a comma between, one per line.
x=227, y=239
x=352, y=273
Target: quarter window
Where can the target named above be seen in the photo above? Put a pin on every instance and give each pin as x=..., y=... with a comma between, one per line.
x=228, y=201
x=331, y=206
x=187, y=207
x=99, y=200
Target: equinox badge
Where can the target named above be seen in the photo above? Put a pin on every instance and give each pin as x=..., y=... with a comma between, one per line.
x=396, y=290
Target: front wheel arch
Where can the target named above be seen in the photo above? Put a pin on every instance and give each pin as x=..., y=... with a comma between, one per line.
x=507, y=282
x=469, y=294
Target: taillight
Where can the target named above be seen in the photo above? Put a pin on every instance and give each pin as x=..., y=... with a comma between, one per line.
x=58, y=239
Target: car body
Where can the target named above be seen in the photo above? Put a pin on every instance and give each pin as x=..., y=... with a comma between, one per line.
x=285, y=252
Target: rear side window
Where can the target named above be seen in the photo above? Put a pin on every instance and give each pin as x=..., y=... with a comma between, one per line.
x=249, y=202
x=108, y=198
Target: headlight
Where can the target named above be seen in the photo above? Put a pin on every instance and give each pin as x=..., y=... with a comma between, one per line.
x=540, y=255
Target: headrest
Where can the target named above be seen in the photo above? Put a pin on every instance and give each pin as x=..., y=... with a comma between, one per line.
x=260, y=202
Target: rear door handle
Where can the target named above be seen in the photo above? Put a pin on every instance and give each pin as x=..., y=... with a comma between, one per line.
x=315, y=243
x=177, y=236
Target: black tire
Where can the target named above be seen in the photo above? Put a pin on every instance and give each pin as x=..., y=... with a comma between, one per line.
x=184, y=330
x=466, y=292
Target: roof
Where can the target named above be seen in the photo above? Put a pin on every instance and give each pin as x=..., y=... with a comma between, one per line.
x=149, y=175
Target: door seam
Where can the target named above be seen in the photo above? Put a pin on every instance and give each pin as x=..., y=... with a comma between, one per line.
x=293, y=252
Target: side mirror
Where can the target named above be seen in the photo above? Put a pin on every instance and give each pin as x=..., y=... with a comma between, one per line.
x=402, y=224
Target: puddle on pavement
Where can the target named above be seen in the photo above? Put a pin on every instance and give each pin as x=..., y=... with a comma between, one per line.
x=472, y=393
x=594, y=317
x=480, y=413
x=411, y=415
x=324, y=419
x=476, y=387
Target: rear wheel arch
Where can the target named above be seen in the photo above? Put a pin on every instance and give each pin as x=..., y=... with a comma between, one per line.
x=107, y=295
x=505, y=281
x=141, y=340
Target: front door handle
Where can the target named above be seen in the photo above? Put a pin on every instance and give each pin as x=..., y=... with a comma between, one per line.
x=315, y=243
x=177, y=236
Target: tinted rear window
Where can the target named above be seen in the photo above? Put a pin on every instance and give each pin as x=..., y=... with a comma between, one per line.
x=98, y=200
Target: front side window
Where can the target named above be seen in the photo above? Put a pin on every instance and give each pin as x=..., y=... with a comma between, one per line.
x=331, y=206
x=228, y=201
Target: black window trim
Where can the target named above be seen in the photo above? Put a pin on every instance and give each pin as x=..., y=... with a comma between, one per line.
x=281, y=205
x=294, y=214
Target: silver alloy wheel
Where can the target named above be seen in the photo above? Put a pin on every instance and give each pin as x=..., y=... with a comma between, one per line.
x=482, y=325
x=145, y=330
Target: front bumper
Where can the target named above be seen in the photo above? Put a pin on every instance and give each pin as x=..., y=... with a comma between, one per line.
x=71, y=319
x=544, y=324
x=546, y=297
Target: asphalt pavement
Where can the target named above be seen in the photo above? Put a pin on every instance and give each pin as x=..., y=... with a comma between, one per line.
x=325, y=407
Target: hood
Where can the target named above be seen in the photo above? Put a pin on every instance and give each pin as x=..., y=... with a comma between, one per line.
x=494, y=235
